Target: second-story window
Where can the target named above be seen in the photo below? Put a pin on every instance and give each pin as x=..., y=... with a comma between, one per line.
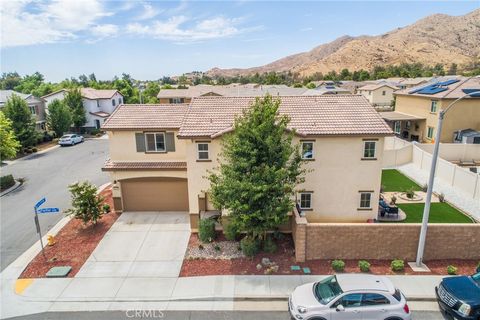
x=33, y=109
x=155, y=142
x=433, y=106
x=113, y=102
x=120, y=100
x=307, y=150
x=369, y=149
x=202, y=151
x=384, y=92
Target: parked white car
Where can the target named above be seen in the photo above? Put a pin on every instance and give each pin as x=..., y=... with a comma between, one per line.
x=349, y=296
x=70, y=140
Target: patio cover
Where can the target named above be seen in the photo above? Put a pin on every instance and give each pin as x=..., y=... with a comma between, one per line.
x=397, y=116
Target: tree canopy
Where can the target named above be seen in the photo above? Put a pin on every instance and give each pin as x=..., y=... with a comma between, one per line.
x=73, y=100
x=9, y=144
x=59, y=118
x=23, y=123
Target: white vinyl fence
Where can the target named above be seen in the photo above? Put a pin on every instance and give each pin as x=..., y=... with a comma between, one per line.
x=396, y=152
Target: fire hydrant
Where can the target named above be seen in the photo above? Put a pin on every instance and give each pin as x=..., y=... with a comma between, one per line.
x=51, y=240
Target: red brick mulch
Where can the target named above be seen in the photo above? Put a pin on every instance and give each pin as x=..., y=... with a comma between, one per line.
x=285, y=257
x=73, y=244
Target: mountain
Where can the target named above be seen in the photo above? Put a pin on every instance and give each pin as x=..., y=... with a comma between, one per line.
x=438, y=38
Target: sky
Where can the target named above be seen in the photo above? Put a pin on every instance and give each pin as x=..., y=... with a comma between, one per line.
x=149, y=40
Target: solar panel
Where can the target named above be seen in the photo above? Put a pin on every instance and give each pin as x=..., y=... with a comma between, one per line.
x=330, y=87
x=470, y=90
x=448, y=82
x=432, y=90
x=422, y=88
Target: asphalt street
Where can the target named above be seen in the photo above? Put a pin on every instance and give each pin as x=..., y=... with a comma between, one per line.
x=189, y=315
x=47, y=175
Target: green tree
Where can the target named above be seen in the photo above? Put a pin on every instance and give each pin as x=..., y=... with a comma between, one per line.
x=8, y=142
x=259, y=170
x=311, y=85
x=87, y=205
x=10, y=80
x=59, y=118
x=23, y=122
x=73, y=100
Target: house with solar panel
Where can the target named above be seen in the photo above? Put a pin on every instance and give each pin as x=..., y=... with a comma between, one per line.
x=416, y=110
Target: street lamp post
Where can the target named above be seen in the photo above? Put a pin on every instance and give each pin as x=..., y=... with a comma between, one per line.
x=428, y=200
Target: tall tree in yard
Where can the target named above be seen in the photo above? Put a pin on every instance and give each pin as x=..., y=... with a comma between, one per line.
x=59, y=117
x=259, y=170
x=87, y=205
x=23, y=122
x=74, y=101
x=8, y=142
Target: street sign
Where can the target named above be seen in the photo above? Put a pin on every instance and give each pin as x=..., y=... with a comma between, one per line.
x=39, y=203
x=48, y=210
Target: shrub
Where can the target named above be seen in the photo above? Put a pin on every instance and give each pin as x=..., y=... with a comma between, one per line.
x=397, y=265
x=277, y=235
x=94, y=132
x=441, y=197
x=452, y=270
x=201, y=247
x=269, y=245
x=425, y=187
x=250, y=246
x=87, y=205
x=217, y=248
x=34, y=149
x=231, y=232
x=6, y=182
x=338, y=265
x=206, y=230
x=410, y=193
x=364, y=266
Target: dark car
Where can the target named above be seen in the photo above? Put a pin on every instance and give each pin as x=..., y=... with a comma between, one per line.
x=459, y=297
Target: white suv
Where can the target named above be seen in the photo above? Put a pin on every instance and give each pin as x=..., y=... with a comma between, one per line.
x=349, y=296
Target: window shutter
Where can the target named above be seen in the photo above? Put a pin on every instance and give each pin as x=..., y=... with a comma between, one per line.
x=170, y=141
x=140, y=141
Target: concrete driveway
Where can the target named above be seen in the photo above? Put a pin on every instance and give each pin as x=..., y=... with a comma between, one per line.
x=141, y=244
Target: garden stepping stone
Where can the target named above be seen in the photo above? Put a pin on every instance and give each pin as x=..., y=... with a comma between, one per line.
x=58, y=272
x=295, y=268
x=306, y=270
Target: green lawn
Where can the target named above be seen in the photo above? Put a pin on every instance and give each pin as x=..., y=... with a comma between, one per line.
x=393, y=180
x=439, y=213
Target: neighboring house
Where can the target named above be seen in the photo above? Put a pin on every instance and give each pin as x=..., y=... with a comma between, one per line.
x=379, y=95
x=179, y=96
x=416, y=109
x=413, y=82
x=99, y=104
x=160, y=154
x=36, y=106
x=326, y=89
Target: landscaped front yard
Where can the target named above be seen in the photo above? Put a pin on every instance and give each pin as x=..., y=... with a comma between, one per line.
x=393, y=180
x=439, y=213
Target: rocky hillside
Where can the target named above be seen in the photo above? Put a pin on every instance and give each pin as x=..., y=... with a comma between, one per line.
x=435, y=39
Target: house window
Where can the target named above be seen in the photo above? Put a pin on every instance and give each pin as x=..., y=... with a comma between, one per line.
x=430, y=133
x=119, y=100
x=176, y=100
x=32, y=110
x=202, y=150
x=305, y=200
x=155, y=142
x=398, y=127
x=384, y=92
x=369, y=149
x=307, y=150
x=365, y=200
x=113, y=102
x=433, y=106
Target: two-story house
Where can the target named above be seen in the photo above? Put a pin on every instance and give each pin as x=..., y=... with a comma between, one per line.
x=379, y=94
x=35, y=104
x=416, y=109
x=98, y=104
x=160, y=154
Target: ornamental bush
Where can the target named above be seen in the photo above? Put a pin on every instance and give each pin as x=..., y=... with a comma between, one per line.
x=250, y=246
x=397, y=265
x=206, y=230
x=364, y=266
x=452, y=270
x=6, y=182
x=87, y=205
x=269, y=245
x=338, y=265
x=230, y=231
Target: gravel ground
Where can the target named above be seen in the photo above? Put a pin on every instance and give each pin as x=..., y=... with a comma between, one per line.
x=455, y=197
x=228, y=250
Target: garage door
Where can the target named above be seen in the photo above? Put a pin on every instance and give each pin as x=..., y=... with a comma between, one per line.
x=155, y=194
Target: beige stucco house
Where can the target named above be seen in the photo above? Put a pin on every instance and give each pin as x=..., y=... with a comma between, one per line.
x=379, y=94
x=416, y=109
x=160, y=154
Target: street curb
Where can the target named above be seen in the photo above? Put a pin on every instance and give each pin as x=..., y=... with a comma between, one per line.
x=13, y=188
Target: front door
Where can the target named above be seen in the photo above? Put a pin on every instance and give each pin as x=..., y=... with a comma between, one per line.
x=97, y=124
x=351, y=307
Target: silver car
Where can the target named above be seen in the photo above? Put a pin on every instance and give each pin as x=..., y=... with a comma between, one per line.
x=70, y=139
x=349, y=296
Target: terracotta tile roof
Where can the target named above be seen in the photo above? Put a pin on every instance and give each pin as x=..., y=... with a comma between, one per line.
x=454, y=90
x=232, y=90
x=101, y=114
x=310, y=115
x=137, y=165
x=147, y=116
x=93, y=94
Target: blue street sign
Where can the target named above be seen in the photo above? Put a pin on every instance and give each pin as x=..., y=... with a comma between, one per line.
x=48, y=210
x=39, y=203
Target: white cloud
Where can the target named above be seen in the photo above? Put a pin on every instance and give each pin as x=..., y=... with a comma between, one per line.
x=306, y=29
x=102, y=31
x=29, y=22
x=149, y=12
x=174, y=29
